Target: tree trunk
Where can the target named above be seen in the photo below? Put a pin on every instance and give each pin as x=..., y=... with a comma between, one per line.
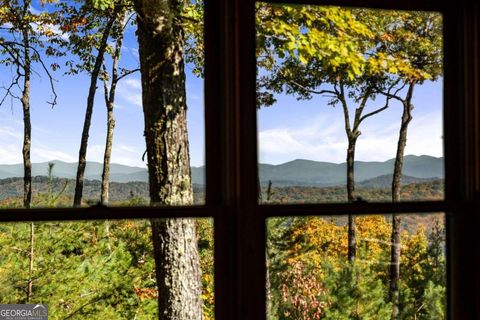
x=161, y=40
x=27, y=141
x=395, y=267
x=27, y=126
x=82, y=154
x=109, y=103
x=402, y=142
x=106, y=157
x=269, y=191
x=352, y=230
x=396, y=188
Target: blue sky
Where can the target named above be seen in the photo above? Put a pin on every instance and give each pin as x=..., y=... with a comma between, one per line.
x=313, y=130
x=289, y=130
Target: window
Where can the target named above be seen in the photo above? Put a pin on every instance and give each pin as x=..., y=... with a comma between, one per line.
x=231, y=157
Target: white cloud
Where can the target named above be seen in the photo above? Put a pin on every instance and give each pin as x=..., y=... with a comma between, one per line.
x=10, y=153
x=130, y=91
x=131, y=50
x=40, y=154
x=325, y=140
x=319, y=140
x=133, y=83
x=11, y=142
x=121, y=154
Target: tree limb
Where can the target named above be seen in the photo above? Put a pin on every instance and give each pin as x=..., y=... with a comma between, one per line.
x=298, y=85
x=127, y=73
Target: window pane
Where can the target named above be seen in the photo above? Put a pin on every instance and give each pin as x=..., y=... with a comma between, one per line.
x=69, y=48
x=92, y=270
x=311, y=277
x=349, y=101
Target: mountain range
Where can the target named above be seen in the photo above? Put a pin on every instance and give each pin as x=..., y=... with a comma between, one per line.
x=297, y=172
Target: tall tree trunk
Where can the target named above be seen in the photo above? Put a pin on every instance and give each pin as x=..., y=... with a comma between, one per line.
x=27, y=126
x=82, y=154
x=27, y=141
x=352, y=137
x=109, y=103
x=353, y=133
x=396, y=189
x=161, y=40
x=352, y=230
x=107, y=155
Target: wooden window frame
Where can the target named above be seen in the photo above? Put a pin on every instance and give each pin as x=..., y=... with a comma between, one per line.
x=231, y=160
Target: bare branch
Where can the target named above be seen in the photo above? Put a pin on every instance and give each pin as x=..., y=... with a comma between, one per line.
x=9, y=92
x=394, y=95
x=50, y=78
x=374, y=112
x=387, y=101
x=298, y=85
x=127, y=73
x=12, y=50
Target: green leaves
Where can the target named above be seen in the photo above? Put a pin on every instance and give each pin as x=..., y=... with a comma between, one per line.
x=358, y=47
x=325, y=36
x=102, y=4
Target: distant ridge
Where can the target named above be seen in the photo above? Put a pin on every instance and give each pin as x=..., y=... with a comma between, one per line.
x=314, y=173
x=297, y=172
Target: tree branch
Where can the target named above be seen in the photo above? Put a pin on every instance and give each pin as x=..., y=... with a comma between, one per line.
x=298, y=85
x=346, y=114
x=50, y=78
x=9, y=92
x=127, y=73
x=394, y=95
x=374, y=112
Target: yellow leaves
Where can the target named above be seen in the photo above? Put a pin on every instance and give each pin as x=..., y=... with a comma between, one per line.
x=145, y=293
x=44, y=2
x=386, y=37
x=49, y=32
x=302, y=59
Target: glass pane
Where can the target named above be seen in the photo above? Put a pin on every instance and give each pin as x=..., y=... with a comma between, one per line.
x=95, y=269
x=311, y=274
x=349, y=102
x=68, y=49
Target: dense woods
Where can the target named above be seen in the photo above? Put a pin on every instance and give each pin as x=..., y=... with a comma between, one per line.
x=342, y=267
x=111, y=273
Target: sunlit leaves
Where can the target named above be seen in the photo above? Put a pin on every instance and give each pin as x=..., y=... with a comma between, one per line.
x=357, y=47
x=310, y=277
x=330, y=37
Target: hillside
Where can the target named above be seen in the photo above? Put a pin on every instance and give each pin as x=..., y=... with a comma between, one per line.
x=418, y=191
x=314, y=173
x=93, y=171
x=294, y=173
x=12, y=188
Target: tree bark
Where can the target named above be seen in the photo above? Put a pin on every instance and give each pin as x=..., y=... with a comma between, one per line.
x=352, y=138
x=82, y=154
x=27, y=126
x=396, y=188
x=352, y=230
x=161, y=40
x=107, y=155
x=109, y=103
